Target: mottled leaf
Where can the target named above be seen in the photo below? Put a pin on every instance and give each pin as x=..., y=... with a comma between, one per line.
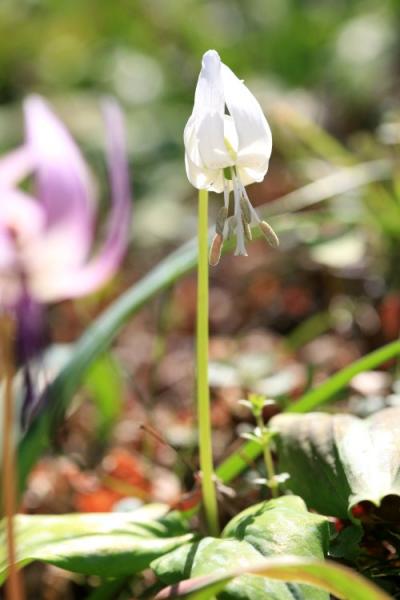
x=109, y=544
x=338, y=461
x=277, y=527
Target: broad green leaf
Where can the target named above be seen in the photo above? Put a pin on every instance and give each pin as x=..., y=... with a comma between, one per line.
x=338, y=461
x=212, y=555
x=280, y=526
x=347, y=543
x=99, y=336
x=109, y=544
x=109, y=590
x=239, y=460
x=335, y=579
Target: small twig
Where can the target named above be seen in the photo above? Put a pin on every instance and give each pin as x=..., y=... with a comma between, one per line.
x=157, y=436
x=14, y=589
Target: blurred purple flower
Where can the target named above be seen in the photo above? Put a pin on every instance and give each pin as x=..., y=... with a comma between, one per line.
x=46, y=238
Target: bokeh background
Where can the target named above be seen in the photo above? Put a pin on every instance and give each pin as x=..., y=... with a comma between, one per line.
x=327, y=75
x=335, y=62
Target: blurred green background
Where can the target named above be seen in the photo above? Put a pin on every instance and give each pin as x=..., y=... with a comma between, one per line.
x=334, y=61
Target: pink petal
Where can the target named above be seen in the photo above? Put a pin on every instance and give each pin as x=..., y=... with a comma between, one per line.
x=21, y=214
x=99, y=269
x=15, y=166
x=63, y=182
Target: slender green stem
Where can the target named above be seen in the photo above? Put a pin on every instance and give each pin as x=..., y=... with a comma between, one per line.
x=203, y=393
x=269, y=464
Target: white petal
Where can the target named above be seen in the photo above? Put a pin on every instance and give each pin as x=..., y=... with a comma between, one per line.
x=251, y=174
x=254, y=134
x=204, y=132
x=231, y=136
x=191, y=142
x=202, y=178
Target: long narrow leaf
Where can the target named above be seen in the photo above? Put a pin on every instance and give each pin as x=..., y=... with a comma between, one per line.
x=328, y=390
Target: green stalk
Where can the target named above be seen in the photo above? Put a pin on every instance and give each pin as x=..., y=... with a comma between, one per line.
x=203, y=392
x=269, y=464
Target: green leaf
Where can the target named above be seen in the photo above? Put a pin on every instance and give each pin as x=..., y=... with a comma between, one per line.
x=104, y=382
x=347, y=543
x=280, y=526
x=334, y=384
x=109, y=544
x=239, y=460
x=335, y=579
x=99, y=336
x=212, y=554
x=338, y=461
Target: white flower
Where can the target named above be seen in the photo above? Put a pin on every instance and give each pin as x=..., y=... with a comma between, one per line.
x=228, y=145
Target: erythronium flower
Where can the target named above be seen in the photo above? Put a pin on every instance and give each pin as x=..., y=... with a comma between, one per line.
x=228, y=145
x=46, y=236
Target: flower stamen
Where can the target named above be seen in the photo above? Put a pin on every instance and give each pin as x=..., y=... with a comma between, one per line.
x=265, y=227
x=240, y=244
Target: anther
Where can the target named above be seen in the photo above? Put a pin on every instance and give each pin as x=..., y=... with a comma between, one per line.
x=269, y=234
x=215, y=250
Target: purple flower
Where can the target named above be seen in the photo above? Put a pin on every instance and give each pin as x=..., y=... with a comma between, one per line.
x=46, y=237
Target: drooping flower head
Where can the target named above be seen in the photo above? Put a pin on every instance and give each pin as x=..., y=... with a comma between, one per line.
x=228, y=145
x=47, y=234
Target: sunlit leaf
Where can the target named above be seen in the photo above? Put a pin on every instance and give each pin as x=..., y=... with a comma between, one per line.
x=280, y=526
x=109, y=544
x=340, y=581
x=338, y=461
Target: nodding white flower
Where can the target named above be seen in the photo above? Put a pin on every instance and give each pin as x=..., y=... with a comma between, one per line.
x=228, y=145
